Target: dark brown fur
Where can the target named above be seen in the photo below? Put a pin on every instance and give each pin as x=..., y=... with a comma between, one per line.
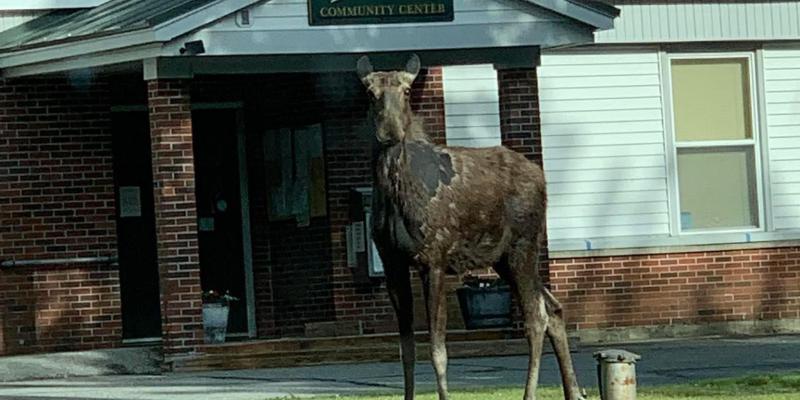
x=451, y=208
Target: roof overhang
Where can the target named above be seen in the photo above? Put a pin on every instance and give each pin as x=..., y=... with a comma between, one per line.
x=162, y=40
x=17, y=5
x=594, y=13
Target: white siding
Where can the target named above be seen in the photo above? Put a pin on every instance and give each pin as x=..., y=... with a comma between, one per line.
x=471, y=105
x=782, y=87
x=282, y=27
x=647, y=21
x=10, y=19
x=603, y=145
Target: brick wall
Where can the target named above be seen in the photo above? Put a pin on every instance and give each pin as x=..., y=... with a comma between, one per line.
x=681, y=288
x=176, y=215
x=56, y=201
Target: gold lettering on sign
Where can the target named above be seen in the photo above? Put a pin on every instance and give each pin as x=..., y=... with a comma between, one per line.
x=382, y=10
x=422, y=9
x=357, y=11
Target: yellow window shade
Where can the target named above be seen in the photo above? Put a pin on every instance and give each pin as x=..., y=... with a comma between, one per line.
x=711, y=99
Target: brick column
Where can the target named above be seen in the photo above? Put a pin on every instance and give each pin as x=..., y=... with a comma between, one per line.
x=427, y=101
x=520, y=126
x=176, y=217
x=519, y=112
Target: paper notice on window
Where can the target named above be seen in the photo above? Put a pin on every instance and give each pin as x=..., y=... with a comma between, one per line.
x=130, y=202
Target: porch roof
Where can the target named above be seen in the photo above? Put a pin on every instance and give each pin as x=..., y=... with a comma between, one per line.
x=141, y=29
x=110, y=18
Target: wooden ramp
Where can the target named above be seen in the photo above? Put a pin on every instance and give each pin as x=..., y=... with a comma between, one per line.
x=294, y=352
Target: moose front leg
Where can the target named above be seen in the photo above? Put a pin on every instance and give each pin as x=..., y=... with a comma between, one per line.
x=433, y=282
x=398, y=283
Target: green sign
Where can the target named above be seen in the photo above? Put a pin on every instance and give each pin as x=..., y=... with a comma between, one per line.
x=350, y=12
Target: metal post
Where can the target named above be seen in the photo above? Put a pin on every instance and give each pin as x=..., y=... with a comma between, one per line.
x=616, y=372
x=58, y=261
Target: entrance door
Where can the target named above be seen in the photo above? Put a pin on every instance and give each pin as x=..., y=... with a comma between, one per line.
x=136, y=231
x=220, y=208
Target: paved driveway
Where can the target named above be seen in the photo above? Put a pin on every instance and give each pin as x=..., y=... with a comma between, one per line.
x=662, y=363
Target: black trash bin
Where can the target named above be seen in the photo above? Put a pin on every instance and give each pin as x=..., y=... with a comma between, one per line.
x=485, y=307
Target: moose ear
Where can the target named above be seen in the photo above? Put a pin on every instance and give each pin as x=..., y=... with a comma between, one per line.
x=413, y=65
x=364, y=67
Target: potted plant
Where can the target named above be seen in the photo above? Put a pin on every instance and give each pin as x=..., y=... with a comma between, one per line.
x=215, y=315
x=485, y=302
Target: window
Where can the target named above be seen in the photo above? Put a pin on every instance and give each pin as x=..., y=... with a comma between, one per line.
x=716, y=147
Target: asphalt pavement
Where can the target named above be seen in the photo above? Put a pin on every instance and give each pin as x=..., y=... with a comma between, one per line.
x=665, y=362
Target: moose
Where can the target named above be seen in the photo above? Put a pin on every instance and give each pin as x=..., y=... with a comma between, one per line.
x=441, y=209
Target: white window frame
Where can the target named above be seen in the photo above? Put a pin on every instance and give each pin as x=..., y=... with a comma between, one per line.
x=672, y=145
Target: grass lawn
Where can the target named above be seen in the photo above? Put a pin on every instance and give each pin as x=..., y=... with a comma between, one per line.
x=761, y=387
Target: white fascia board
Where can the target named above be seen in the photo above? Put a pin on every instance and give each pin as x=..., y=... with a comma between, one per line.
x=198, y=18
x=24, y=5
x=76, y=49
x=136, y=53
x=577, y=12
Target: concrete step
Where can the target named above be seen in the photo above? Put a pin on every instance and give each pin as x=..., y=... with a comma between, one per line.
x=122, y=361
x=366, y=348
x=295, y=344
x=342, y=355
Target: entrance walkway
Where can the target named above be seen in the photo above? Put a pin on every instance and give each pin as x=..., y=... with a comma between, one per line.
x=662, y=363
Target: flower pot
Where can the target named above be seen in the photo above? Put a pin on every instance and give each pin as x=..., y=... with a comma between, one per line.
x=485, y=307
x=215, y=322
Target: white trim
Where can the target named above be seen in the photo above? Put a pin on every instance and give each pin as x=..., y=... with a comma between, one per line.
x=692, y=248
x=761, y=180
x=150, y=68
x=761, y=98
x=247, y=245
x=699, y=144
x=647, y=243
x=81, y=48
x=670, y=150
x=754, y=141
x=21, y=5
x=131, y=54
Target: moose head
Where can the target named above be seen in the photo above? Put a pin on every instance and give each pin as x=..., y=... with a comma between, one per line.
x=390, y=95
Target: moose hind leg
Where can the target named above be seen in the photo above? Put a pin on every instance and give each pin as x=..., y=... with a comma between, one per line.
x=398, y=283
x=522, y=263
x=557, y=332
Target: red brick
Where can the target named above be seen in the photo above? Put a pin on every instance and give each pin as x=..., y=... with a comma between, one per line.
x=173, y=168
x=56, y=201
x=712, y=288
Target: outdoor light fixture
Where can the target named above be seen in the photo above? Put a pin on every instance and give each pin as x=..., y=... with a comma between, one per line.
x=193, y=48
